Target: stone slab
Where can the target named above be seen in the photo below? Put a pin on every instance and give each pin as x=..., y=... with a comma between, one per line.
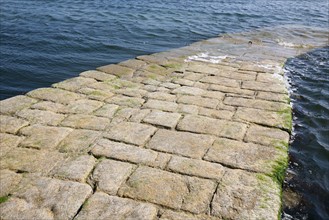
x=164, y=119
x=81, y=121
x=55, y=95
x=11, y=124
x=8, y=142
x=161, y=105
x=16, y=103
x=74, y=84
x=199, y=101
x=35, y=116
x=8, y=180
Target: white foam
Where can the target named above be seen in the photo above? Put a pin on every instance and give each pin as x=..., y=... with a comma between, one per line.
x=205, y=57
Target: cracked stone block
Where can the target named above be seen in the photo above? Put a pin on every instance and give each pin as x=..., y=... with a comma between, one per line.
x=8, y=142
x=45, y=198
x=55, y=95
x=200, y=194
x=270, y=96
x=164, y=119
x=266, y=87
x=16, y=103
x=103, y=206
x=156, y=186
x=78, y=141
x=43, y=137
x=86, y=122
x=161, y=96
x=243, y=195
x=83, y=106
x=205, y=125
x=107, y=110
x=35, y=116
x=267, y=136
x=75, y=169
x=30, y=160
x=133, y=63
x=197, y=168
x=131, y=133
x=161, y=105
x=48, y=106
x=11, y=124
x=199, y=101
x=181, y=143
x=214, y=113
x=110, y=174
x=96, y=94
x=262, y=117
x=246, y=156
x=255, y=103
x=74, y=84
x=124, y=114
x=186, y=90
x=126, y=152
x=117, y=70
x=126, y=101
x=188, y=109
x=226, y=89
x=100, y=76
x=221, y=81
x=9, y=180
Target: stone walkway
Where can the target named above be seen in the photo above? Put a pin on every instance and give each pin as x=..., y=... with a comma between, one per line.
x=175, y=135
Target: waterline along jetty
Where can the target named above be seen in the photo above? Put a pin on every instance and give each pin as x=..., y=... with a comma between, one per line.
x=199, y=132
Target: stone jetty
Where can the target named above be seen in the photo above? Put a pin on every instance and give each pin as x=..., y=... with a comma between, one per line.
x=199, y=132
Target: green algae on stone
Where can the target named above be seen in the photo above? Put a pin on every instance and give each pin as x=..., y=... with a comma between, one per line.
x=4, y=199
x=286, y=115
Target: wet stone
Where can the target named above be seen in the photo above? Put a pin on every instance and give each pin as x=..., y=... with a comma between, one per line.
x=205, y=125
x=117, y=70
x=30, y=160
x=255, y=103
x=86, y=122
x=100, y=76
x=83, y=106
x=103, y=206
x=41, y=117
x=181, y=143
x=107, y=110
x=9, y=181
x=197, y=168
x=199, y=101
x=79, y=141
x=11, y=124
x=161, y=105
x=126, y=101
x=131, y=133
x=243, y=195
x=55, y=95
x=164, y=119
x=8, y=142
x=45, y=198
x=248, y=156
x=74, y=84
x=267, y=136
x=43, y=137
x=110, y=174
x=75, y=169
x=16, y=103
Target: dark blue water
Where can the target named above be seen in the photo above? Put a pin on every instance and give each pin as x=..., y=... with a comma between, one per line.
x=308, y=173
x=46, y=41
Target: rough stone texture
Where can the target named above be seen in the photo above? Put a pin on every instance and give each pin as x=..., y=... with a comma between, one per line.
x=205, y=125
x=199, y=101
x=54, y=95
x=161, y=105
x=107, y=111
x=188, y=109
x=261, y=86
x=181, y=143
x=78, y=141
x=255, y=103
x=185, y=90
x=82, y=106
x=139, y=115
x=245, y=156
x=220, y=114
x=126, y=101
x=11, y=124
x=231, y=90
x=11, y=105
x=103, y=206
x=41, y=117
x=96, y=94
x=243, y=195
x=48, y=106
x=8, y=182
x=221, y=81
x=75, y=169
x=161, y=96
x=8, y=142
x=86, y=122
x=74, y=84
x=30, y=160
x=100, y=76
x=133, y=63
x=45, y=198
x=270, y=96
x=110, y=174
x=164, y=119
x=117, y=70
x=132, y=133
x=195, y=167
x=43, y=137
